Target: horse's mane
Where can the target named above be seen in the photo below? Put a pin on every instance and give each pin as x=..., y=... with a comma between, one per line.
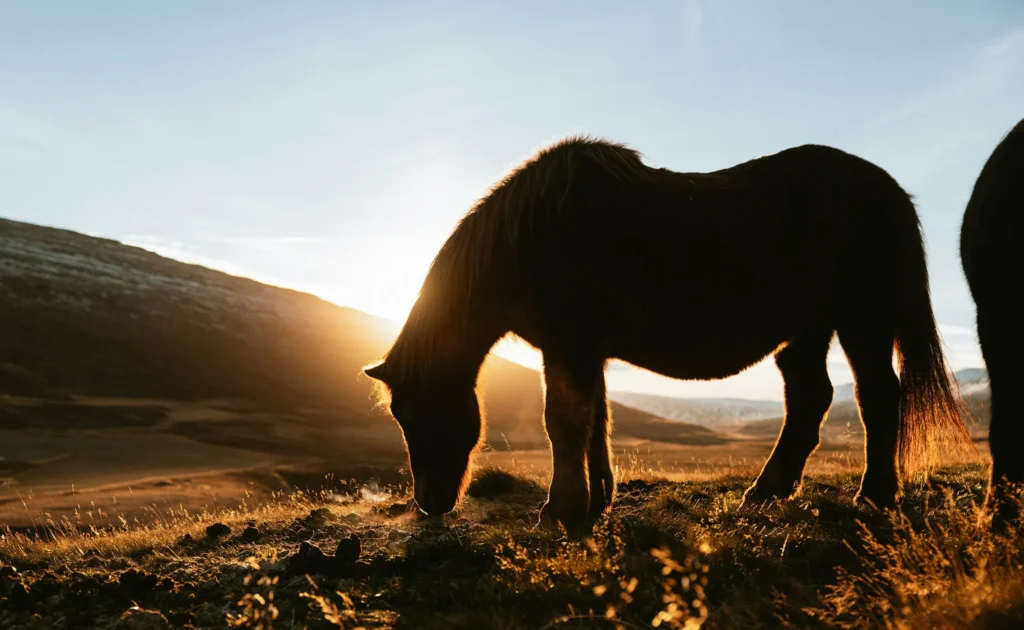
x=499, y=224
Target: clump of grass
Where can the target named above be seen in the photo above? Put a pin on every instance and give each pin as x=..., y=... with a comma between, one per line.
x=601, y=581
x=949, y=572
x=492, y=482
x=680, y=580
x=341, y=614
x=257, y=605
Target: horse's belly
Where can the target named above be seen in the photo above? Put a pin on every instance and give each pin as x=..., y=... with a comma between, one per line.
x=698, y=358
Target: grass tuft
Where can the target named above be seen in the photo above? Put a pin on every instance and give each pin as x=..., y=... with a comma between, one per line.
x=491, y=482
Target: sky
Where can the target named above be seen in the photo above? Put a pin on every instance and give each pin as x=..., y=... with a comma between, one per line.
x=331, y=146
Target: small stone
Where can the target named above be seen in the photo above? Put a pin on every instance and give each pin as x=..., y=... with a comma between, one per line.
x=18, y=596
x=46, y=586
x=137, y=584
x=397, y=509
x=94, y=562
x=396, y=534
x=360, y=570
x=140, y=619
x=250, y=535
x=182, y=619
x=309, y=559
x=7, y=573
x=87, y=585
x=348, y=550
x=352, y=518
x=217, y=530
x=319, y=517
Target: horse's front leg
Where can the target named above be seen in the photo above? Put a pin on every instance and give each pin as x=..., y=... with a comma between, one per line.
x=569, y=397
x=599, y=456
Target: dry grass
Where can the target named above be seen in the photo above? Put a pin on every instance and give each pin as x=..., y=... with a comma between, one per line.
x=673, y=553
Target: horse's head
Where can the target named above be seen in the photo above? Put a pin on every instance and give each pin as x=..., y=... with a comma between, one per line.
x=442, y=427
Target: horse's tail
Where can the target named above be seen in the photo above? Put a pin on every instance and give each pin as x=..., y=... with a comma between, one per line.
x=931, y=414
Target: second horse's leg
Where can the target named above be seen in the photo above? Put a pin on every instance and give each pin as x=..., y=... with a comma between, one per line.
x=1001, y=345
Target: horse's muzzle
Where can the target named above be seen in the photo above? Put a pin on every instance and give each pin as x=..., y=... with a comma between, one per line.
x=433, y=505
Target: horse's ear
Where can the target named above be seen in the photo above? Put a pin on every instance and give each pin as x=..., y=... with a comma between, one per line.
x=377, y=371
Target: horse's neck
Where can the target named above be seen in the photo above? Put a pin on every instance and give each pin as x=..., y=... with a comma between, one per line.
x=454, y=345
x=473, y=341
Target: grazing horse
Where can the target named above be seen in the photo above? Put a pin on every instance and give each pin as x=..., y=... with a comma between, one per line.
x=589, y=254
x=992, y=253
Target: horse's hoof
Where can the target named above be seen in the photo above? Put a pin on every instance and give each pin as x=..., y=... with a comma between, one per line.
x=758, y=497
x=883, y=495
x=602, y=492
x=599, y=504
x=573, y=520
x=880, y=502
x=599, y=510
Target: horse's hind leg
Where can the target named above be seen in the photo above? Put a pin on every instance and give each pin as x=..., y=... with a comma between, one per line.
x=599, y=461
x=808, y=396
x=869, y=352
x=570, y=391
x=1002, y=345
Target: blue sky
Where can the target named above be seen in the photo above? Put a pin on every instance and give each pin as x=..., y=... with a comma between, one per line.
x=330, y=146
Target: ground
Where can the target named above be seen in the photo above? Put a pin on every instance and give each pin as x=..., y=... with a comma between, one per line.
x=676, y=551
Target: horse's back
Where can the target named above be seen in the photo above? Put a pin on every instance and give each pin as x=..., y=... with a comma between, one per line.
x=992, y=233
x=728, y=263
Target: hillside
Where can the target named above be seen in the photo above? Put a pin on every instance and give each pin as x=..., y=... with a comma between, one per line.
x=116, y=361
x=711, y=412
x=843, y=422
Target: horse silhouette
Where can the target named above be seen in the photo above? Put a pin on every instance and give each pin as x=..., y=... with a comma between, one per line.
x=589, y=254
x=992, y=253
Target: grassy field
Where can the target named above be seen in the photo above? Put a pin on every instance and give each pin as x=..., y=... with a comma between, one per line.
x=675, y=552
